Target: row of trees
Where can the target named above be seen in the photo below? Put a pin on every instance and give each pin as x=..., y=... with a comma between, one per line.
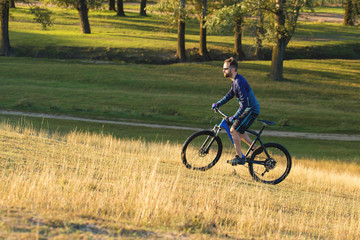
x=275, y=22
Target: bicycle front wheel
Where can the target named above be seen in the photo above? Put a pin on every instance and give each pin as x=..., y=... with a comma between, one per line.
x=201, y=151
x=272, y=168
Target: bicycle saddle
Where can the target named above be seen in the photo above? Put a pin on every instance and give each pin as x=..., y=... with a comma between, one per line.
x=269, y=123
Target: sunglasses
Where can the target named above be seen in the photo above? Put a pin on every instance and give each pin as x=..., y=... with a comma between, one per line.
x=227, y=68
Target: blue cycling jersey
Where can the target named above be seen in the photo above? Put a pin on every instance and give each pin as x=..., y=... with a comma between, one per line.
x=241, y=89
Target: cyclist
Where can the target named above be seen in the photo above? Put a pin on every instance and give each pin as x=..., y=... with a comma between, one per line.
x=249, y=108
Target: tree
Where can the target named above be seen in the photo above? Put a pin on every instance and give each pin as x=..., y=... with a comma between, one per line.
x=180, y=51
x=352, y=10
x=42, y=16
x=143, y=8
x=201, y=9
x=120, y=8
x=175, y=14
x=83, y=10
x=203, y=48
x=281, y=40
x=286, y=13
x=230, y=18
x=112, y=5
x=238, y=19
x=5, y=48
x=83, y=7
x=260, y=32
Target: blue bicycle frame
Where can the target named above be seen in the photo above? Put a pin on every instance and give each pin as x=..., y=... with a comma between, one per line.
x=225, y=126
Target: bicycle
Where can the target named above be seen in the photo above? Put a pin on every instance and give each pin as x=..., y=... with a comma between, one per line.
x=270, y=162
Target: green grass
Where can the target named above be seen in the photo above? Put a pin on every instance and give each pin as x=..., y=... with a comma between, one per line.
x=317, y=96
x=334, y=10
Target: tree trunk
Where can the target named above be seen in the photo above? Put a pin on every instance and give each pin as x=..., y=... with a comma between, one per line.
x=277, y=60
x=84, y=18
x=5, y=48
x=238, y=38
x=260, y=32
x=120, y=8
x=180, y=51
x=203, y=49
x=278, y=54
x=112, y=5
x=349, y=13
x=12, y=4
x=143, y=8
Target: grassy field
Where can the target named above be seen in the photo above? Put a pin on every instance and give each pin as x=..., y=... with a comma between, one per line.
x=84, y=185
x=317, y=96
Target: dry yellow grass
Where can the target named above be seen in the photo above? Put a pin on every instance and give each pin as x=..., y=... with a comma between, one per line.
x=93, y=186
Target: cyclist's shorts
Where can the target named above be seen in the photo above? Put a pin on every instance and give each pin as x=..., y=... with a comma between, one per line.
x=244, y=121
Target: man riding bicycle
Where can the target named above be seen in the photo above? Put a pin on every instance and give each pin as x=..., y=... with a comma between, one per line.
x=249, y=108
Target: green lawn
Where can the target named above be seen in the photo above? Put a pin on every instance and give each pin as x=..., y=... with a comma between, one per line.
x=334, y=10
x=317, y=96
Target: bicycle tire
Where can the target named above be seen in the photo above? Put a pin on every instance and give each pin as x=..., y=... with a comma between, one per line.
x=193, y=155
x=276, y=169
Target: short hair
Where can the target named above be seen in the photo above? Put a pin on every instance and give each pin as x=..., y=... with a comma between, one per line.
x=233, y=62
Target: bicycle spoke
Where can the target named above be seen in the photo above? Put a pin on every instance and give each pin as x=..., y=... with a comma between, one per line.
x=266, y=170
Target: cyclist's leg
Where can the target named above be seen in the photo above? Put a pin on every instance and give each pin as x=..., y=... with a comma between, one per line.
x=243, y=123
x=237, y=140
x=245, y=138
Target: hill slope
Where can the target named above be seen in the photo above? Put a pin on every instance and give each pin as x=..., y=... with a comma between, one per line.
x=96, y=186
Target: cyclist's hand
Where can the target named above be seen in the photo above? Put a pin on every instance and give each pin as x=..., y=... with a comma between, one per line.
x=214, y=106
x=231, y=119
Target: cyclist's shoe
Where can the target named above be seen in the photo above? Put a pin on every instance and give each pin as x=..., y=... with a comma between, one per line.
x=258, y=150
x=237, y=161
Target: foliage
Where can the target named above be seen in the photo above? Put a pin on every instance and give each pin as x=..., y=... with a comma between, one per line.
x=91, y=4
x=42, y=16
x=223, y=20
x=171, y=10
x=291, y=10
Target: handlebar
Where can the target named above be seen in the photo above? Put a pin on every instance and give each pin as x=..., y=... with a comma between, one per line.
x=221, y=113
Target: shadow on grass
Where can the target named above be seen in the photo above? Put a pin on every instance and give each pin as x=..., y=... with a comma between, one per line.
x=57, y=46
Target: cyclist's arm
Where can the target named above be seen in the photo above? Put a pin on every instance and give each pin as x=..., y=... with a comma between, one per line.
x=226, y=98
x=242, y=88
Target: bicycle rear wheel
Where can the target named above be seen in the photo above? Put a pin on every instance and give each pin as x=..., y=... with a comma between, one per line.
x=201, y=151
x=273, y=169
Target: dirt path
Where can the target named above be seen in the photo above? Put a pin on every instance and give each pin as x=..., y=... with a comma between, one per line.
x=322, y=17
x=320, y=136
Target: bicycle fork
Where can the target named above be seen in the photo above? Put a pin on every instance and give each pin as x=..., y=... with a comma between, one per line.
x=206, y=145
